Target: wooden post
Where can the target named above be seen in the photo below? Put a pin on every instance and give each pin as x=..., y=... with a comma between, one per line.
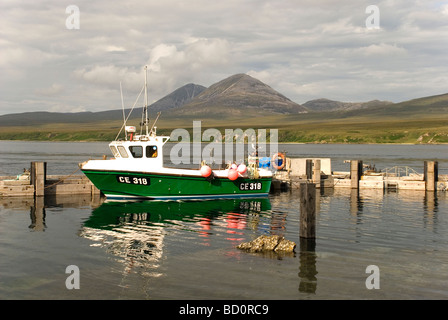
x=431, y=175
x=38, y=177
x=309, y=168
x=355, y=173
x=356, y=204
x=308, y=210
x=430, y=203
x=307, y=269
x=316, y=173
x=38, y=214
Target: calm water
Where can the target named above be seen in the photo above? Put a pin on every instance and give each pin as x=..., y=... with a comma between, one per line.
x=186, y=250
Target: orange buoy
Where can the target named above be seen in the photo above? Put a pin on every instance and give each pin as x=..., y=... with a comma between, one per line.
x=242, y=168
x=274, y=161
x=232, y=174
x=206, y=171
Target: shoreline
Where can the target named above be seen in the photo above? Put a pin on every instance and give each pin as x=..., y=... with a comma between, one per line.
x=207, y=142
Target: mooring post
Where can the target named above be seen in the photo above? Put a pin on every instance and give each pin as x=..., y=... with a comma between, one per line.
x=308, y=210
x=38, y=177
x=307, y=268
x=356, y=205
x=355, y=173
x=309, y=169
x=37, y=214
x=316, y=172
x=430, y=203
x=431, y=172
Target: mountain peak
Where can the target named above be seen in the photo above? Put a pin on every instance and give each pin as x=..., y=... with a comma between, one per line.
x=177, y=98
x=238, y=94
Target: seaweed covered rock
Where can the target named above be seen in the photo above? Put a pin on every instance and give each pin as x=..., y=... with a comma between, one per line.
x=268, y=243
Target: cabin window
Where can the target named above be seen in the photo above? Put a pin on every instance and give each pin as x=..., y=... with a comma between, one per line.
x=137, y=151
x=122, y=151
x=151, y=151
x=114, y=151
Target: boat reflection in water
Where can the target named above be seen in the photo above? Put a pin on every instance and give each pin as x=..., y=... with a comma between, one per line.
x=136, y=232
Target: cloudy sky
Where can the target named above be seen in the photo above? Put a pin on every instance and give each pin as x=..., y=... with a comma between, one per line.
x=305, y=49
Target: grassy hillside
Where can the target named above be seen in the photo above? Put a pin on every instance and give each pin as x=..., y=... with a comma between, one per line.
x=422, y=107
x=423, y=120
x=306, y=128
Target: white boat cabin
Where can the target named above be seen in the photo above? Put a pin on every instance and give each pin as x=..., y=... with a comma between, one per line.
x=140, y=147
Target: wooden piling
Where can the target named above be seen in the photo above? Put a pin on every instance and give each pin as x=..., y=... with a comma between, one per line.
x=309, y=168
x=308, y=210
x=37, y=214
x=356, y=205
x=307, y=269
x=316, y=173
x=38, y=177
x=355, y=173
x=431, y=169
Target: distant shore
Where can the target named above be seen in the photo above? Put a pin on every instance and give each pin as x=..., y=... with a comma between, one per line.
x=206, y=142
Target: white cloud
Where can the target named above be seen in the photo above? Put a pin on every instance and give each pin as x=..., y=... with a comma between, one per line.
x=172, y=66
x=382, y=49
x=169, y=67
x=194, y=55
x=20, y=57
x=340, y=27
x=110, y=76
x=54, y=89
x=304, y=49
x=444, y=10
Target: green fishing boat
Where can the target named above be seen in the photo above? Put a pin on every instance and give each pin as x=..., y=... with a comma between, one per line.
x=137, y=171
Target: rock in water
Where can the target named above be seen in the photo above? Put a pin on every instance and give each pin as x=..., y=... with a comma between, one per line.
x=285, y=246
x=268, y=243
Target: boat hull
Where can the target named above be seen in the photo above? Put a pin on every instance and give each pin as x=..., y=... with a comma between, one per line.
x=146, y=185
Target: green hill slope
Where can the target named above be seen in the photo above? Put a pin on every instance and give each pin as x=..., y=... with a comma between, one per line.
x=243, y=102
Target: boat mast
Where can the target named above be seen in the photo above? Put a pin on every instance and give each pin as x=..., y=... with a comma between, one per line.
x=146, y=100
x=124, y=117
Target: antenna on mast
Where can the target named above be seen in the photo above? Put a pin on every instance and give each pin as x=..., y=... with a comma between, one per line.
x=122, y=106
x=146, y=100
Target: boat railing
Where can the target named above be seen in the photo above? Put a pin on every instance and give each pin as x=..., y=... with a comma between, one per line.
x=400, y=171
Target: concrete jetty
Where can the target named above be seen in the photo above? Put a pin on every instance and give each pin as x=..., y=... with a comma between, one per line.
x=360, y=176
x=36, y=183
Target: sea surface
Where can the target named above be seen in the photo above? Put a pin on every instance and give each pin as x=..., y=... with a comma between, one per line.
x=187, y=250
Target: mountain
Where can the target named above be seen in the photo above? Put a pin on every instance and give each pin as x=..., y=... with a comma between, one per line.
x=425, y=107
x=43, y=117
x=177, y=98
x=174, y=100
x=245, y=98
x=240, y=95
x=326, y=105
